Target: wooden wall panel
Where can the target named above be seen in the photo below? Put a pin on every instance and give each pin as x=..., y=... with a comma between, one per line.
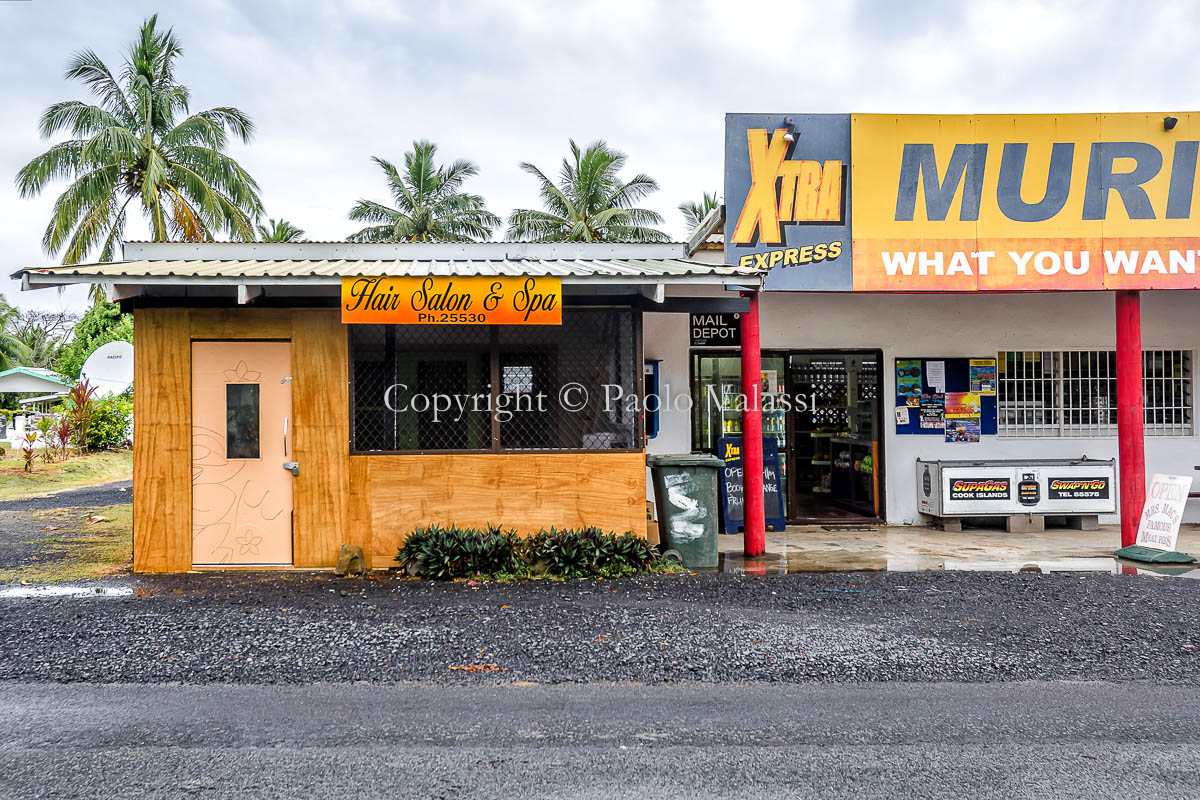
x=162, y=436
x=321, y=405
x=526, y=492
x=241, y=323
x=358, y=528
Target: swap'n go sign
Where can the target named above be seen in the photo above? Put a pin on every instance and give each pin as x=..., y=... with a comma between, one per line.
x=472, y=300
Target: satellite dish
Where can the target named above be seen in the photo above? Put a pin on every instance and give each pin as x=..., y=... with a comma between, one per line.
x=109, y=368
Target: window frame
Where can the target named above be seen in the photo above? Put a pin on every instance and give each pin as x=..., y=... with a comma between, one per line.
x=1059, y=428
x=494, y=359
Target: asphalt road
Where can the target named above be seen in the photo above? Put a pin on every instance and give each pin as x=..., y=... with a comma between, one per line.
x=697, y=740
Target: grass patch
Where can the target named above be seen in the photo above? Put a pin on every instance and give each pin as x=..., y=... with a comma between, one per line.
x=92, y=469
x=78, y=549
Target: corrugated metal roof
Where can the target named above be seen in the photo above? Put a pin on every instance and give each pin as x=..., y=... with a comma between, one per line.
x=216, y=270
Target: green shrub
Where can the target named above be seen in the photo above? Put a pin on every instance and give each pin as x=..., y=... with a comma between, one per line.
x=111, y=423
x=446, y=553
x=452, y=552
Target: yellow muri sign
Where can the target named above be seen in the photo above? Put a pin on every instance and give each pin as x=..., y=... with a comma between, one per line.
x=1001, y=202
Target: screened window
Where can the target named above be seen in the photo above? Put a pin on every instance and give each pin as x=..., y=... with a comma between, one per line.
x=1073, y=393
x=475, y=387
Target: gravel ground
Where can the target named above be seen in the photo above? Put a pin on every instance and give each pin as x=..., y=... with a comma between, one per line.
x=847, y=627
x=18, y=528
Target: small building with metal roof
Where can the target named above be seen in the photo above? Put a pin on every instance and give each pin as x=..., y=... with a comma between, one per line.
x=291, y=398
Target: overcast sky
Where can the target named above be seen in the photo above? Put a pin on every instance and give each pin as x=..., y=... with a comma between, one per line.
x=331, y=84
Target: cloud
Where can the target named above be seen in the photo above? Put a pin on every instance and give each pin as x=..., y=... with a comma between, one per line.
x=504, y=81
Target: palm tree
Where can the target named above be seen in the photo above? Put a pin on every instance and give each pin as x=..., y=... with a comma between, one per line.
x=591, y=204
x=430, y=203
x=279, y=230
x=132, y=145
x=13, y=351
x=695, y=213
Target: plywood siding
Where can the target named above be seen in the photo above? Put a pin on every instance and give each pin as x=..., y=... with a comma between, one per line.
x=162, y=436
x=526, y=492
x=241, y=323
x=320, y=402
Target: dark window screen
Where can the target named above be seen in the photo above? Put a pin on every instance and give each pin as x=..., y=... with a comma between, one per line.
x=241, y=420
x=421, y=388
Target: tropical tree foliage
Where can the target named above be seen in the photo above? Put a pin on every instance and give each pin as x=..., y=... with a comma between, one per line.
x=103, y=323
x=137, y=143
x=13, y=352
x=590, y=203
x=430, y=205
x=279, y=230
x=43, y=333
x=695, y=213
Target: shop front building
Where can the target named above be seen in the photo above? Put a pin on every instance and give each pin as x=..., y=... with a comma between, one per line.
x=982, y=288
x=290, y=399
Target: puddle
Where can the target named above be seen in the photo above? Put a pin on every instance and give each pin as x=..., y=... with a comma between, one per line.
x=849, y=561
x=18, y=592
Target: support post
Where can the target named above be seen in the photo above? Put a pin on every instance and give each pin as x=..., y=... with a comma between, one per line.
x=1131, y=448
x=755, y=539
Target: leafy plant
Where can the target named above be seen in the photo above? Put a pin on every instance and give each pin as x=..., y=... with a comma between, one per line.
x=279, y=230
x=45, y=426
x=590, y=203
x=64, y=431
x=27, y=449
x=695, y=213
x=81, y=407
x=446, y=553
x=139, y=144
x=13, y=350
x=430, y=205
x=453, y=552
x=111, y=423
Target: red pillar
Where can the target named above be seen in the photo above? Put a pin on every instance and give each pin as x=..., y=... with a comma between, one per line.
x=752, y=452
x=1130, y=433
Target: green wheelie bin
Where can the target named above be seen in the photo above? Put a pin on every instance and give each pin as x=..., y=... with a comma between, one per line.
x=685, y=491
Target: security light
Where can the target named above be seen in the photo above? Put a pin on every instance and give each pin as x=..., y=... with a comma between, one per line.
x=1169, y=123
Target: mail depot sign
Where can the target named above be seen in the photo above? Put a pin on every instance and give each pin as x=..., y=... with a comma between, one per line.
x=964, y=203
x=473, y=300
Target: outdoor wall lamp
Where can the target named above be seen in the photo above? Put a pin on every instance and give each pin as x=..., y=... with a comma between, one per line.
x=1169, y=123
x=791, y=133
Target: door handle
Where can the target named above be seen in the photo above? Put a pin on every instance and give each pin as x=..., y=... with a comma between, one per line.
x=292, y=467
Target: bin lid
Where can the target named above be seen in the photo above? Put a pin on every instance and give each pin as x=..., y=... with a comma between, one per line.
x=685, y=460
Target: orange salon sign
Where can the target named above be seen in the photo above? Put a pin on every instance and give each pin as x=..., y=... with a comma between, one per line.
x=475, y=300
x=1002, y=202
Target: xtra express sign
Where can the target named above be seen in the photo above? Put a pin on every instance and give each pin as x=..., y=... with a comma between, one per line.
x=962, y=203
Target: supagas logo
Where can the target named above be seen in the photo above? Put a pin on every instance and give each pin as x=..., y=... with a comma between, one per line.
x=786, y=191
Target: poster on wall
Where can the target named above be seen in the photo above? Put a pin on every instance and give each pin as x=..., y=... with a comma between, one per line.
x=933, y=411
x=962, y=430
x=962, y=405
x=983, y=375
x=908, y=377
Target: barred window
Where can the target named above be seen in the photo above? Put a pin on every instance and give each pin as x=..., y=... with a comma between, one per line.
x=489, y=388
x=1073, y=393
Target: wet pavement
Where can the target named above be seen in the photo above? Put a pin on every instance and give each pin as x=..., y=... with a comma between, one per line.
x=894, y=548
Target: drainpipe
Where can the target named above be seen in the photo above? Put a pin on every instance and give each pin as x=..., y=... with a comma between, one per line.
x=1131, y=447
x=755, y=538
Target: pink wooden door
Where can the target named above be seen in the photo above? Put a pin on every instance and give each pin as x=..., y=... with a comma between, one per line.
x=241, y=437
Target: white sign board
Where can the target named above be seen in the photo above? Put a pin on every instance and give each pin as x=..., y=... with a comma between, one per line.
x=1163, y=511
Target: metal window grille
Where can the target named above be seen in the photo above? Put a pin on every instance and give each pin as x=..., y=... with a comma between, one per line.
x=1073, y=393
x=474, y=387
